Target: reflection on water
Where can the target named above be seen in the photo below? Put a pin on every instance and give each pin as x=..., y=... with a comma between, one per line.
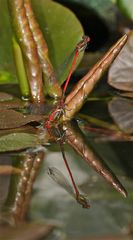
x=30, y=194
x=116, y=213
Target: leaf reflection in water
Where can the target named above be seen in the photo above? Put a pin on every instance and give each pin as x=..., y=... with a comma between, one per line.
x=78, y=142
x=121, y=110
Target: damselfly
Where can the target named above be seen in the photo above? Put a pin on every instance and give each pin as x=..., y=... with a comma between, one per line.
x=58, y=111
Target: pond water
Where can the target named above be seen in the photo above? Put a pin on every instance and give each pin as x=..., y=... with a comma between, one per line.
x=110, y=213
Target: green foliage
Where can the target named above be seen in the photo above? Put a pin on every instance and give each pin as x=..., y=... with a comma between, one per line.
x=126, y=6
x=17, y=141
x=61, y=29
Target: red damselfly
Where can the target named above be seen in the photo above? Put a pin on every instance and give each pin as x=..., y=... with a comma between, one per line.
x=58, y=111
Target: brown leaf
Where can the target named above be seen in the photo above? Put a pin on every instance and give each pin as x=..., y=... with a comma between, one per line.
x=32, y=231
x=24, y=129
x=13, y=119
x=17, y=103
x=5, y=96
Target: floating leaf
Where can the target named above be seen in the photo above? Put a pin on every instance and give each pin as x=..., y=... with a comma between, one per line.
x=12, y=119
x=17, y=103
x=24, y=129
x=62, y=31
x=121, y=111
x=60, y=27
x=26, y=231
x=121, y=71
x=18, y=141
x=126, y=94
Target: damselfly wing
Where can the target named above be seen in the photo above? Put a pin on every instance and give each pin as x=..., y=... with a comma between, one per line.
x=61, y=180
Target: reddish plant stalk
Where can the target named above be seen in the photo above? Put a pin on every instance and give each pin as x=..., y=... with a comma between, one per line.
x=51, y=84
x=28, y=47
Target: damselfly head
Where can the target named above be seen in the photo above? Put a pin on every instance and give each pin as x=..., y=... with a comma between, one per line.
x=83, y=201
x=50, y=171
x=81, y=46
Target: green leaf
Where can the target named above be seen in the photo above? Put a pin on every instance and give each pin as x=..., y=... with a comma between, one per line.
x=126, y=6
x=7, y=69
x=18, y=141
x=61, y=29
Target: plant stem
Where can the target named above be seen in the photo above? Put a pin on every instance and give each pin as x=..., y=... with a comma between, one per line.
x=27, y=44
x=52, y=86
x=20, y=69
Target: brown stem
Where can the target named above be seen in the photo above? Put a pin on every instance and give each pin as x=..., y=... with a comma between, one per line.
x=51, y=84
x=28, y=46
x=76, y=98
x=30, y=170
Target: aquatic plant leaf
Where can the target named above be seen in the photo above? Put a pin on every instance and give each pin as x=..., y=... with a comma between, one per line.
x=13, y=104
x=18, y=141
x=126, y=94
x=5, y=96
x=24, y=129
x=13, y=119
x=121, y=72
x=56, y=22
x=126, y=6
x=27, y=231
x=121, y=111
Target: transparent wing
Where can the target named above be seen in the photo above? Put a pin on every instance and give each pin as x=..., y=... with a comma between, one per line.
x=61, y=180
